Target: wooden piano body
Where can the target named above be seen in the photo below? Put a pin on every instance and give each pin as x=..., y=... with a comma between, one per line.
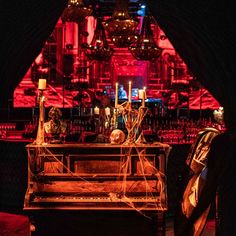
x=97, y=177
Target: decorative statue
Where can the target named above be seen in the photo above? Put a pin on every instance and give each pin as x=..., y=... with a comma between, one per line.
x=55, y=128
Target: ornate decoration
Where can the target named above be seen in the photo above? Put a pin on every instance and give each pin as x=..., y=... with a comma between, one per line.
x=75, y=11
x=98, y=49
x=121, y=27
x=145, y=48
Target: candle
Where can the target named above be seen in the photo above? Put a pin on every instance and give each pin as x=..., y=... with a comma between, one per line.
x=140, y=93
x=116, y=96
x=129, y=92
x=42, y=84
x=96, y=110
x=144, y=96
x=143, y=101
x=107, y=111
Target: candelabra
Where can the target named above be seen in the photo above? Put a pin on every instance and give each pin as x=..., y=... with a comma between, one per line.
x=114, y=119
x=141, y=114
x=133, y=119
x=102, y=119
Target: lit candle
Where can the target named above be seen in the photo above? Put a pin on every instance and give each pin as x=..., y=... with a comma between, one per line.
x=107, y=111
x=116, y=96
x=144, y=96
x=42, y=84
x=129, y=92
x=96, y=110
x=140, y=94
x=144, y=88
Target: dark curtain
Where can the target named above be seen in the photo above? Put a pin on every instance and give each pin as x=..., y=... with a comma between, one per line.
x=202, y=32
x=25, y=26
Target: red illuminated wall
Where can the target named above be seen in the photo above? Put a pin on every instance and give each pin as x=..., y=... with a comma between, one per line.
x=69, y=68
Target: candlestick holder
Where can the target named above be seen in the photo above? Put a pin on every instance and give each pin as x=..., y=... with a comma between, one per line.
x=130, y=119
x=142, y=113
x=114, y=119
x=40, y=133
x=133, y=119
x=103, y=124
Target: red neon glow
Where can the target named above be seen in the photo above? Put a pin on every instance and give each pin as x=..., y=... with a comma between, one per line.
x=67, y=52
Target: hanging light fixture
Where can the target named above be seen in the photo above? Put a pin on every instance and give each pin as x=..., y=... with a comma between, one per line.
x=145, y=48
x=121, y=27
x=75, y=11
x=98, y=49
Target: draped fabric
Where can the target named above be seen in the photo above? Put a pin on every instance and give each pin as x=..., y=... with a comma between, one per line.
x=25, y=26
x=193, y=184
x=202, y=32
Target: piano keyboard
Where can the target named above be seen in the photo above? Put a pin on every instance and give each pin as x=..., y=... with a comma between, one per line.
x=94, y=199
x=96, y=203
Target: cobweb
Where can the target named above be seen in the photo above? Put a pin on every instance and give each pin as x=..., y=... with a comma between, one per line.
x=151, y=180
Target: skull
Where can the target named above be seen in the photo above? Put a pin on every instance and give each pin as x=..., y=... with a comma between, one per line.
x=117, y=136
x=219, y=115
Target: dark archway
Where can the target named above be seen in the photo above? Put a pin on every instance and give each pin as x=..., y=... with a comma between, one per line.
x=25, y=27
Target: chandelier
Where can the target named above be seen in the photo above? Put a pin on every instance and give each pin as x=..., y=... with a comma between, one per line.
x=121, y=27
x=145, y=48
x=98, y=49
x=75, y=11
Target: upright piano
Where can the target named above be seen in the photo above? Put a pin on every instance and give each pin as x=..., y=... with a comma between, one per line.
x=97, y=176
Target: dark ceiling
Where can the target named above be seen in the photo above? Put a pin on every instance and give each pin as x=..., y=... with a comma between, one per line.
x=107, y=6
